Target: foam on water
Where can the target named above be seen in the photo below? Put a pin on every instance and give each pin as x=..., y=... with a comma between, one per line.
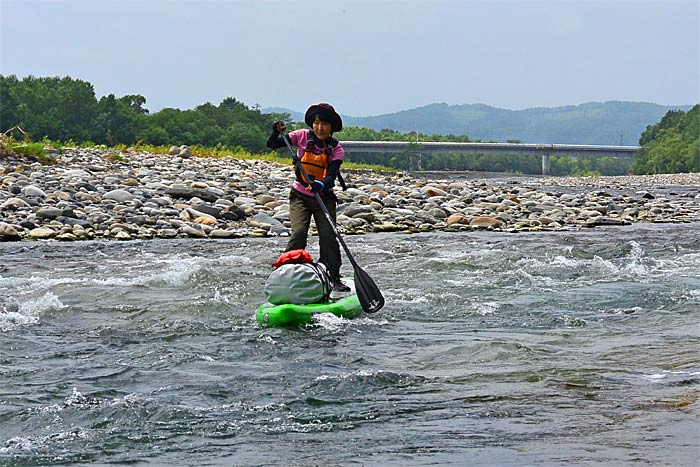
x=561, y=270
x=335, y=324
x=362, y=373
x=267, y=339
x=665, y=374
x=37, y=282
x=485, y=308
x=26, y=310
x=329, y=321
x=22, y=444
x=621, y=311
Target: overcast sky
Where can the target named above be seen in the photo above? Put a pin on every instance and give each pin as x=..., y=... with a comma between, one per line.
x=364, y=57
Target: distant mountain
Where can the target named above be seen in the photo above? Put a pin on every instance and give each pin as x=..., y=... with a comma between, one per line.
x=296, y=116
x=613, y=122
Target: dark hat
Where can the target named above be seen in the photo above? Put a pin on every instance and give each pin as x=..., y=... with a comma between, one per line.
x=326, y=113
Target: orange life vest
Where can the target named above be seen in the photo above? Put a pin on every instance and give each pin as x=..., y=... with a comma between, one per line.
x=316, y=165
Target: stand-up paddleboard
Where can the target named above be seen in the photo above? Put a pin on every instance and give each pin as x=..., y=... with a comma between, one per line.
x=288, y=314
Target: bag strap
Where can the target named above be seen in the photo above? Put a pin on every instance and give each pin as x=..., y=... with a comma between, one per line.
x=322, y=273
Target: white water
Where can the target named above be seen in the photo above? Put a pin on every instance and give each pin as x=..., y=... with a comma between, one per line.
x=573, y=348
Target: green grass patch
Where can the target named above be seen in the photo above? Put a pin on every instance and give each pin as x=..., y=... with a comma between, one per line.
x=220, y=151
x=216, y=152
x=31, y=151
x=28, y=149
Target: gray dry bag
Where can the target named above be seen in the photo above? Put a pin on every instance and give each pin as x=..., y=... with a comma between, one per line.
x=298, y=283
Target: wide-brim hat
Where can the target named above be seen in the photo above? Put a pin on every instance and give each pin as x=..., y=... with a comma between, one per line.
x=327, y=111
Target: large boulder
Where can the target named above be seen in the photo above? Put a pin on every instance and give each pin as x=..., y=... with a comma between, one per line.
x=31, y=190
x=42, y=233
x=275, y=225
x=187, y=192
x=8, y=233
x=119, y=196
x=14, y=203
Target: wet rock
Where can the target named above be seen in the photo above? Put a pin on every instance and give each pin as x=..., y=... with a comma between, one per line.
x=192, y=231
x=219, y=233
x=598, y=221
x=8, y=233
x=67, y=237
x=121, y=235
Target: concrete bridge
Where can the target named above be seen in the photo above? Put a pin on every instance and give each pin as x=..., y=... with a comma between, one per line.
x=415, y=150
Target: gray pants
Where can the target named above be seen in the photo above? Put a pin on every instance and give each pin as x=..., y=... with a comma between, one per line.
x=301, y=208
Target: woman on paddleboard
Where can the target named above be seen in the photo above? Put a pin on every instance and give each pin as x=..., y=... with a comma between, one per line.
x=321, y=155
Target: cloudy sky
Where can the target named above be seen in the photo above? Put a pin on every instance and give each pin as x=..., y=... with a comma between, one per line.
x=365, y=57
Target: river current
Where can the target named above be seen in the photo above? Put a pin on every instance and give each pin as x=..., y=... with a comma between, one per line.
x=547, y=349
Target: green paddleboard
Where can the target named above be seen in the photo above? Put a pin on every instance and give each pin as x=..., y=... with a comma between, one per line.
x=289, y=314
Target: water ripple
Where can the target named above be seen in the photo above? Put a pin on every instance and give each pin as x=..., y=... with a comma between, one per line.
x=529, y=349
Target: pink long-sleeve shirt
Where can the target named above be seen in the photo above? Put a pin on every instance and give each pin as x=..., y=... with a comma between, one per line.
x=300, y=138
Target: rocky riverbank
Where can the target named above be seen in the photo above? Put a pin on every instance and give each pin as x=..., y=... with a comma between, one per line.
x=104, y=194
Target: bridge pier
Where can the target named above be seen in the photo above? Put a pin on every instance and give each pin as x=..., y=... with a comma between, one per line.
x=414, y=162
x=545, y=164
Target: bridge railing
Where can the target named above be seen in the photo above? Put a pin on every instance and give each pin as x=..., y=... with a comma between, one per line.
x=543, y=150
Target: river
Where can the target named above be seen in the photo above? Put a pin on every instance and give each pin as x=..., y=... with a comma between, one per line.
x=547, y=349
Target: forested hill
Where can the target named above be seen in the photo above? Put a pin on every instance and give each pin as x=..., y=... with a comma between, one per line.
x=612, y=122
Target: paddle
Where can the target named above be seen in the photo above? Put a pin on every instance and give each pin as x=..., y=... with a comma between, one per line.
x=370, y=296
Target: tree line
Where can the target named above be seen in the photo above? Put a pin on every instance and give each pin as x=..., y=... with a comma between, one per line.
x=672, y=145
x=65, y=109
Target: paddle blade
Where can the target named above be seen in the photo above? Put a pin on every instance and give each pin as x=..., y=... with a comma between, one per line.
x=368, y=293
